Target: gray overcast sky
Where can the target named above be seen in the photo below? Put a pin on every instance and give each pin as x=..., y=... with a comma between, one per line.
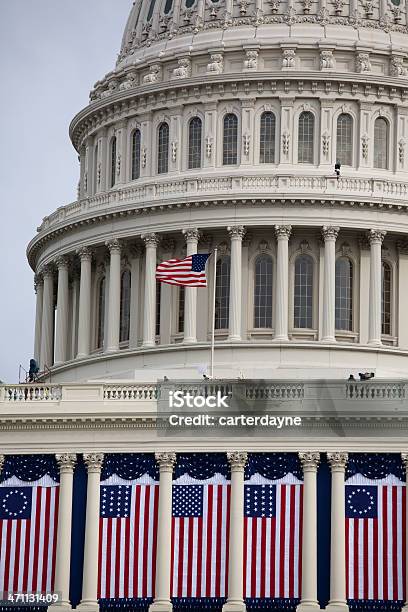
x=52, y=52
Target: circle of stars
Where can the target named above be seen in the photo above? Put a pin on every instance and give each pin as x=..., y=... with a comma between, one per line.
x=370, y=501
x=24, y=502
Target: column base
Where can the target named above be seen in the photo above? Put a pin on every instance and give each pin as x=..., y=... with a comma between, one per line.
x=328, y=340
x=234, y=606
x=234, y=339
x=337, y=607
x=307, y=606
x=112, y=349
x=280, y=339
x=148, y=345
x=161, y=606
x=375, y=343
x=190, y=341
x=61, y=605
x=91, y=606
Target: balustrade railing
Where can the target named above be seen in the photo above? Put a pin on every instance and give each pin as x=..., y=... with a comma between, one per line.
x=32, y=393
x=130, y=392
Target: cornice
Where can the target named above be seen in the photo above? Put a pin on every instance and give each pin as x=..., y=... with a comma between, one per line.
x=169, y=94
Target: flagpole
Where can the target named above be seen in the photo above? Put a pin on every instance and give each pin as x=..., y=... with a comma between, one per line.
x=213, y=316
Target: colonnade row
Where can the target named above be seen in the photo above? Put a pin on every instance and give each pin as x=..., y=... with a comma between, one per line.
x=44, y=349
x=235, y=598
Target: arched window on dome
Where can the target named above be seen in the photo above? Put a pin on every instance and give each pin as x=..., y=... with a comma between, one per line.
x=263, y=292
x=344, y=294
x=381, y=138
x=189, y=3
x=100, y=329
x=181, y=307
x=267, y=138
x=113, y=161
x=168, y=6
x=306, y=138
x=163, y=148
x=125, y=285
x=158, y=299
x=386, y=289
x=136, y=139
x=344, y=150
x=303, y=292
x=230, y=140
x=151, y=9
x=222, y=292
x=195, y=128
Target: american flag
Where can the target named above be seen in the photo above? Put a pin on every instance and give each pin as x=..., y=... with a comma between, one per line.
x=127, y=540
x=272, y=540
x=200, y=533
x=189, y=272
x=28, y=534
x=375, y=541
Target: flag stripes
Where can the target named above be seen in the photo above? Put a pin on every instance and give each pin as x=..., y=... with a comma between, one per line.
x=28, y=546
x=128, y=547
x=200, y=547
x=375, y=548
x=273, y=548
x=189, y=271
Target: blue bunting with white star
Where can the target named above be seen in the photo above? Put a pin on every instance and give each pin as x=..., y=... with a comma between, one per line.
x=273, y=466
x=375, y=466
x=202, y=465
x=130, y=466
x=30, y=468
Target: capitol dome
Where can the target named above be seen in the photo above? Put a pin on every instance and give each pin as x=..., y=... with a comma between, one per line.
x=220, y=127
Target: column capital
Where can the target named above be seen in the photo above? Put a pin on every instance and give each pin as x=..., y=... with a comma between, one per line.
x=114, y=245
x=93, y=462
x=338, y=461
x=236, y=232
x=310, y=460
x=330, y=232
x=150, y=240
x=283, y=231
x=62, y=262
x=38, y=280
x=404, y=457
x=166, y=461
x=376, y=236
x=191, y=235
x=47, y=271
x=84, y=254
x=66, y=462
x=237, y=460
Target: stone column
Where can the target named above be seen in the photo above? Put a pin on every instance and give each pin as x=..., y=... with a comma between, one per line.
x=376, y=238
x=66, y=465
x=190, y=302
x=61, y=336
x=282, y=282
x=338, y=595
x=135, y=256
x=310, y=462
x=84, y=316
x=329, y=287
x=404, y=457
x=235, y=303
x=39, y=290
x=235, y=599
x=149, y=314
x=47, y=327
x=114, y=247
x=162, y=601
x=89, y=602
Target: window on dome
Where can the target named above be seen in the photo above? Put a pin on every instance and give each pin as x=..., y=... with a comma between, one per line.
x=306, y=138
x=181, y=302
x=190, y=3
x=125, y=306
x=222, y=289
x=386, y=299
x=344, y=152
x=158, y=298
x=113, y=161
x=381, y=137
x=151, y=9
x=136, y=138
x=100, y=332
x=344, y=294
x=163, y=149
x=267, y=138
x=168, y=6
x=230, y=140
x=194, y=143
x=303, y=292
x=263, y=292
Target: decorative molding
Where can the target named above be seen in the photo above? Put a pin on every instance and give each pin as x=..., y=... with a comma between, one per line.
x=251, y=59
x=183, y=69
x=326, y=59
x=154, y=75
x=363, y=63
x=288, y=58
x=216, y=63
